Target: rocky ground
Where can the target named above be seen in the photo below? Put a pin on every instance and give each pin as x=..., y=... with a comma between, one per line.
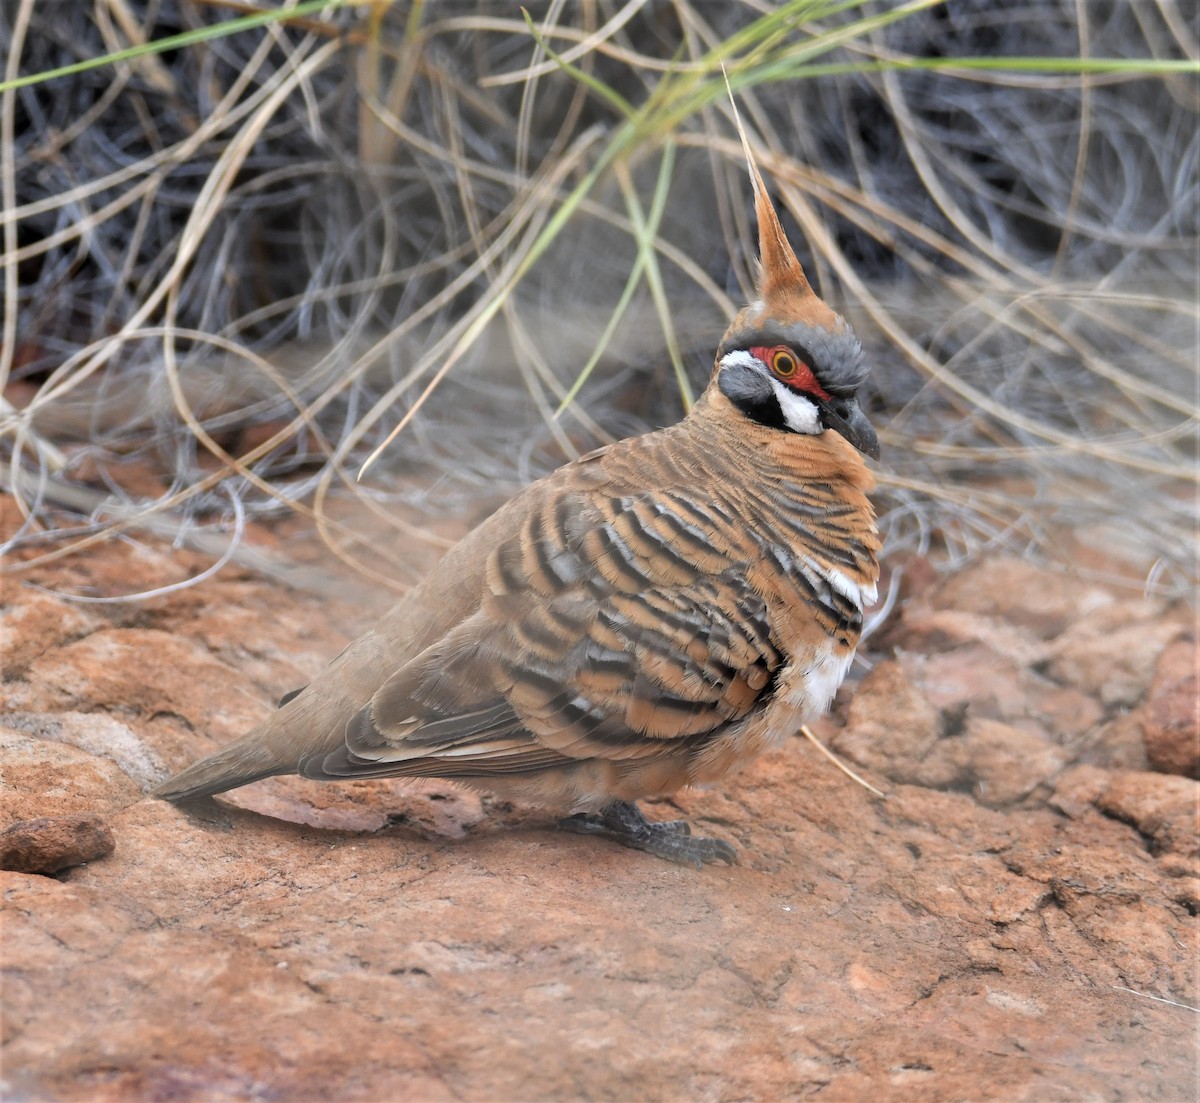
x=1014, y=920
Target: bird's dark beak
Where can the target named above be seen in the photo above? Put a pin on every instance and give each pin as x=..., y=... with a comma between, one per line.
x=843, y=415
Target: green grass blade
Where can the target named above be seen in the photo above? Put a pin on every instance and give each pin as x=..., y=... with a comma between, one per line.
x=586, y=79
x=645, y=229
x=662, y=187
x=176, y=41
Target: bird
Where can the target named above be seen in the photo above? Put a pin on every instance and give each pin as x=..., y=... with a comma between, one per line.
x=651, y=616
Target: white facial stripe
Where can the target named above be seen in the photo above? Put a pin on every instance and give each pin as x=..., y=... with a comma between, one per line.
x=800, y=414
x=742, y=359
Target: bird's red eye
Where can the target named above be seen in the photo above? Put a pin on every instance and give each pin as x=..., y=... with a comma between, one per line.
x=783, y=363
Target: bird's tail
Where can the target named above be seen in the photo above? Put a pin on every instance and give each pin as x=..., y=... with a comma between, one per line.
x=308, y=724
x=241, y=762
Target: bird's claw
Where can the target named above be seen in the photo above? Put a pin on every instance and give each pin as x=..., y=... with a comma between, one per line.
x=624, y=823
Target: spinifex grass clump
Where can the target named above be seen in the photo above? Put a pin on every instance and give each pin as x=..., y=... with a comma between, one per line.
x=234, y=265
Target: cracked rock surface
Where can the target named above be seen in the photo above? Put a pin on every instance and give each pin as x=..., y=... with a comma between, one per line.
x=1015, y=921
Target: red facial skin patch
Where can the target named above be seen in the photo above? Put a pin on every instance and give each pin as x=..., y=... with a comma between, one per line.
x=800, y=376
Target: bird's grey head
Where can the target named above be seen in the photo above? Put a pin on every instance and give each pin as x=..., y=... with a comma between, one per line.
x=798, y=376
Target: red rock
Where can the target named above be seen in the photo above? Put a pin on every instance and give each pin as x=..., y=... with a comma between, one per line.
x=32, y=623
x=891, y=726
x=1069, y=713
x=1022, y=594
x=54, y=843
x=928, y=629
x=973, y=679
x=1078, y=789
x=1171, y=718
x=97, y=733
x=1116, y=743
x=1165, y=809
x=43, y=778
x=140, y=669
x=375, y=941
x=998, y=763
x=1112, y=652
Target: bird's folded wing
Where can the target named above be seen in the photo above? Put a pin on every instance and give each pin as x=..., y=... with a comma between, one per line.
x=592, y=640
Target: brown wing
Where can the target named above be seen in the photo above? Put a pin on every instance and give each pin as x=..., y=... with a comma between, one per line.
x=610, y=628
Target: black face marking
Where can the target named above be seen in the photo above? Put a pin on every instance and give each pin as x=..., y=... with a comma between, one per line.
x=751, y=392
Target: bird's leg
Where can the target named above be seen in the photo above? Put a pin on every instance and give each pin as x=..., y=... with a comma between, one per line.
x=623, y=822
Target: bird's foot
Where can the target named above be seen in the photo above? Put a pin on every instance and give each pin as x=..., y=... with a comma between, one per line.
x=623, y=822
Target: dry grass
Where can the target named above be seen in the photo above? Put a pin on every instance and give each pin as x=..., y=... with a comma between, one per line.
x=230, y=270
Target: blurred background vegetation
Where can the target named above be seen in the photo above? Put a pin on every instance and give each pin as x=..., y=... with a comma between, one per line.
x=235, y=261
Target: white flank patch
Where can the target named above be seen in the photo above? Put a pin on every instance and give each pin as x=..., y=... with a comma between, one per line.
x=844, y=584
x=820, y=677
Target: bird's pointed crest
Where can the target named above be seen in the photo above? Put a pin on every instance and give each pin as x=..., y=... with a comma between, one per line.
x=781, y=271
